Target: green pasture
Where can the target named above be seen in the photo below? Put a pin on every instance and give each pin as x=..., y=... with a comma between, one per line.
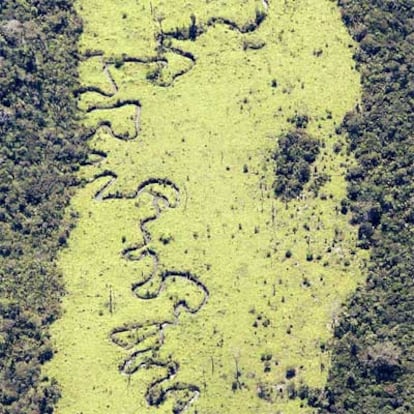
x=211, y=131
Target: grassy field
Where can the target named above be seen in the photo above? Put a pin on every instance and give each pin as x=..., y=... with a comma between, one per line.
x=179, y=287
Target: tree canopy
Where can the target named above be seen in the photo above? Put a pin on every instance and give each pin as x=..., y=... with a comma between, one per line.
x=373, y=370
x=41, y=147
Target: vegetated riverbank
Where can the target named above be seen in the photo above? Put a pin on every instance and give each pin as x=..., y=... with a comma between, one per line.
x=373, y=368
x=39, y=153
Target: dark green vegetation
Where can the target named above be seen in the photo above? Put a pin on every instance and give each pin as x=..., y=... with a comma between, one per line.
x=373, y=368
x=294, y=156
x=40, y=148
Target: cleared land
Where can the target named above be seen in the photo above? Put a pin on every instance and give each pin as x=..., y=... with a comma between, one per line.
x=190, y=287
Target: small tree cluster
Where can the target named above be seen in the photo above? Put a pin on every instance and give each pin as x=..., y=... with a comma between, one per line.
x=295, y=153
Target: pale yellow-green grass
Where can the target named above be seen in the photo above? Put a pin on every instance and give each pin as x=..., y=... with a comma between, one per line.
x=202, y=132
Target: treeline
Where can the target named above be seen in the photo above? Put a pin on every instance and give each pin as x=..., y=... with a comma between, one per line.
x=40, y=149
x=373, y=364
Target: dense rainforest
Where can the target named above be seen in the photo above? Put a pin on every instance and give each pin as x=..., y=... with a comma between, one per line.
x=373, y=363
x=40, y=148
